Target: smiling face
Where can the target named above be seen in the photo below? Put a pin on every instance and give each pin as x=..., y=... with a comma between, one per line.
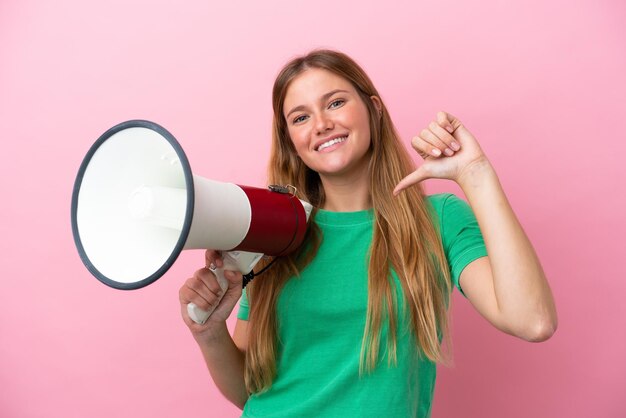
x=328, y=123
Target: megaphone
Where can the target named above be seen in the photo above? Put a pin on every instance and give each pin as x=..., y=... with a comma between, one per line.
x=136, y=205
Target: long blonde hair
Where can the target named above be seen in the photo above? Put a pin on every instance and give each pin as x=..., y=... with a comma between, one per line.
x=405, y=237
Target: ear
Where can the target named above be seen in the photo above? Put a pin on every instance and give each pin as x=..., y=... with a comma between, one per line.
x=378, y=104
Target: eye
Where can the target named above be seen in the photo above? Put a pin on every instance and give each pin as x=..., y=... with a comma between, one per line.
x=336, y=103
x=299, y=119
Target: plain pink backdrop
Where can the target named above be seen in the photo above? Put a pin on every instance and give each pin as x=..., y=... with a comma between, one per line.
x=540, y=83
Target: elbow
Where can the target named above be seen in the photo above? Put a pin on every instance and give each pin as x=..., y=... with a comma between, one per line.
x=541, y=331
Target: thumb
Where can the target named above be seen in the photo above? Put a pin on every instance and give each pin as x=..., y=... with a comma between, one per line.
x=234, y=279
x=410, y=180
x=233, y=285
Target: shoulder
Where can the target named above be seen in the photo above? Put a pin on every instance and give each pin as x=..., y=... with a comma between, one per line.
x=444, y=203
x=451, y=214
x=437, y=201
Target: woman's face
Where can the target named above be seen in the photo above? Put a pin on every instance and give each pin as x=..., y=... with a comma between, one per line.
x=328, y=123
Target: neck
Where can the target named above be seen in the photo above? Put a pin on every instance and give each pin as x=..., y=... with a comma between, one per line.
x=346, y=194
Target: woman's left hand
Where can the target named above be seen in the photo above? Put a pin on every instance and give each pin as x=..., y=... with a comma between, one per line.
x=449, y=150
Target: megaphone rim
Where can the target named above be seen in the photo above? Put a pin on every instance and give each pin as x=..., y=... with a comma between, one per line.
x=184, y=162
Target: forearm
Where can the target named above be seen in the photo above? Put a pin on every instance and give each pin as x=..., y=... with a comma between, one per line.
x=226, y=365
x=522, y=292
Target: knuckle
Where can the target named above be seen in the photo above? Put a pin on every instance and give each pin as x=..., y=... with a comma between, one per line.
x=214, y=300
x=424, y=132
x=183, y=294
x=202, y=301
x=195, y=285
x=205, y=279
x=206, y=274
x=214, y=286
x=189, y=282
x=203, y=304
x=198, y=274
x=233, y=276
x=433, y=126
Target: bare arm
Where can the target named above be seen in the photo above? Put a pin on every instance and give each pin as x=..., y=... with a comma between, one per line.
x=509, y=287
x=224, y=356
x=225, y=361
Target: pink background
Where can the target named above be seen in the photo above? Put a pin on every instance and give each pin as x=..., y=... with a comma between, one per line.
x=540, y=83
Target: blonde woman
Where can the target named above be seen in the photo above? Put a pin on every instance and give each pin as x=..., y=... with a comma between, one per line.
x=352, y=324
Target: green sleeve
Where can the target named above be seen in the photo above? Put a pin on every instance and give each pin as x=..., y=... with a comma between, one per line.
x=461, y=236
x=244, y=308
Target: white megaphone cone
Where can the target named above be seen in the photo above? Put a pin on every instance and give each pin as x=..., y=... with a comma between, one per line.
x=136, y=205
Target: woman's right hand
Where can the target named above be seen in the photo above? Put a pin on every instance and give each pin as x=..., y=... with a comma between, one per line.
x=204, y=290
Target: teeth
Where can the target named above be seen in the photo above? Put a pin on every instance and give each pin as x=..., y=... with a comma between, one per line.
x=331, y=142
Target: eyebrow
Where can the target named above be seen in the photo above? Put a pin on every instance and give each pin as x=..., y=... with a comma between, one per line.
x=322, y=99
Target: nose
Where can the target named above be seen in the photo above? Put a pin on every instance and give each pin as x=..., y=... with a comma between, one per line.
x=323, y=123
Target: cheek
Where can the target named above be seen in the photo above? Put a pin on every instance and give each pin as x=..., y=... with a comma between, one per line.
x=298, y=138
x=359, y=118
x=365, y=118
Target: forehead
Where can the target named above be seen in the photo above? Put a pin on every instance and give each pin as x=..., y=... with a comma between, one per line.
x=313, y=83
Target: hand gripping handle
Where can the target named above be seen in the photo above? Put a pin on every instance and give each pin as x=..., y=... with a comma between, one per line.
x=242, y=261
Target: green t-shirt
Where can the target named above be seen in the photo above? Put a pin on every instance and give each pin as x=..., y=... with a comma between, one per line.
x=321, y=320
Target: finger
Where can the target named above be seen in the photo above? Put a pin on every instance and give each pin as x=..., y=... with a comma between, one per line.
x=235, y=278
x=204, y=301
x=436, y=142
x=205, y=277
x=233, y=293
x=424, y=147
x=444, y=136
x=450, y=119
x=445, y=121
x=213, y=259
x=410, y=180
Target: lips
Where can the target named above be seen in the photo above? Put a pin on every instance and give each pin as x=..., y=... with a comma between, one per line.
x=328, y=142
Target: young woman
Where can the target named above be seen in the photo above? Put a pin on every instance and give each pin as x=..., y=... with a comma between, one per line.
x=352, y=324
